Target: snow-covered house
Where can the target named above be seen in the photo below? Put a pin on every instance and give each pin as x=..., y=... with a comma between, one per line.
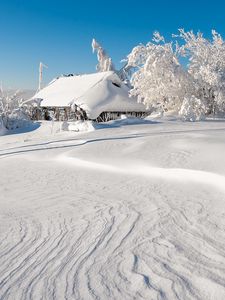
x=100, y=96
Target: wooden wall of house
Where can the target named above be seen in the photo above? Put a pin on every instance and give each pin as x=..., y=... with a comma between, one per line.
x=67, y=114
x=58, y=114
x=108, y=116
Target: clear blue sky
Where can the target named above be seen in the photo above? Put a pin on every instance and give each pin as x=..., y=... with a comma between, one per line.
x=59, y=33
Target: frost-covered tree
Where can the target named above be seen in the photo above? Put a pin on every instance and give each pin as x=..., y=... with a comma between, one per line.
x=207, y=66
x=163, y=83
x=160, y=81
x=104, y=61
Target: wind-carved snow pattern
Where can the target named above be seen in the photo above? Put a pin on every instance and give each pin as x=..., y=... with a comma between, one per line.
x=131, y=212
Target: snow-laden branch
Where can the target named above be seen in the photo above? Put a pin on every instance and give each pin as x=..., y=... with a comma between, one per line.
x=104, y=61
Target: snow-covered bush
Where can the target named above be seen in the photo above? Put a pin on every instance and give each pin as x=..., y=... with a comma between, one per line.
x=12, y=115
x=18, y=118
x=78, y=126
x=192, y=109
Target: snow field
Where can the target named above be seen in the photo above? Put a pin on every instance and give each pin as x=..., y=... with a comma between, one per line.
x=128, y=212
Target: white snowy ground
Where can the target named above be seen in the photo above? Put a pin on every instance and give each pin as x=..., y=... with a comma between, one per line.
x=127, y=212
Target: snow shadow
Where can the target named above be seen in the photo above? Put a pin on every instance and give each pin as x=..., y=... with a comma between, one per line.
x=124, y=122
x=47, y=145
x=27, y=128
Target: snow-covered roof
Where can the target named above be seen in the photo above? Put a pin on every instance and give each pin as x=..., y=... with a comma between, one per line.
x=94, y=93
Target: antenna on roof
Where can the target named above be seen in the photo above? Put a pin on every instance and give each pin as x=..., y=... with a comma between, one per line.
x=41, y=66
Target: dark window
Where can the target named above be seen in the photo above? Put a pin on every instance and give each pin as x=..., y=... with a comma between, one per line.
x=116, y=84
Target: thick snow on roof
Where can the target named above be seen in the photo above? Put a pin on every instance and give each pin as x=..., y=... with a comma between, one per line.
x=94, y=93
